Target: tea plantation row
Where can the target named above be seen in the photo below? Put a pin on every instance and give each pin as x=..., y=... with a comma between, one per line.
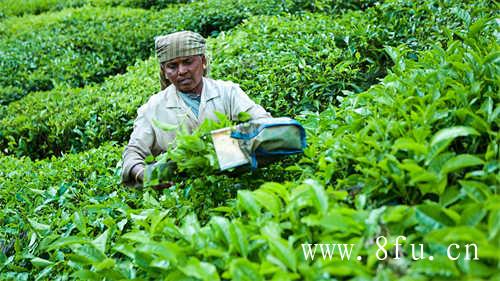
x=315, y=59
x=76, y=47
x=416, y=155
x=9, y=8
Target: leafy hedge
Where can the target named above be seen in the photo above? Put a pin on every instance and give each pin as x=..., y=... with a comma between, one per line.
x=77, y=47
x=416, y=155
x=56, y=124
x=73, y=120
x=310, y=59
x=53, y=189
x=9, y=8
x=72, y=48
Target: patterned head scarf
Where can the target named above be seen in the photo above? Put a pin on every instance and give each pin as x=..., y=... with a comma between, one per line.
x=179, y=44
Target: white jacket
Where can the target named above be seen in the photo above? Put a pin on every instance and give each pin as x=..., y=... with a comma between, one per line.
x=168, y=107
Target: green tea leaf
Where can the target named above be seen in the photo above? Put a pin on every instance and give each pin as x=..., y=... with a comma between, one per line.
x=461, y=161
x=90, y=253
x=410, y=145
x=334, y=221
x=283, y=252
x=80, y=222
x=268, y=200
x=448, y=235
x=222, y=225
x=239, y=238
x=319, y=196
x=201, y=270
x=105, y=264
x=494, y=223
x=39, y=262
x=432, y=216
x=66, y=241
x=244, y=270
x=452, y=133
x=440, y=266
x=39, y=227
x=247, y=202
x=86, y=275
x=476, y=190
x=244, y=116
x=100, y=242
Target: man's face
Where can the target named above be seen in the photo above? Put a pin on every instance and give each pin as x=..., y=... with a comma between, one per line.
x=186, y=73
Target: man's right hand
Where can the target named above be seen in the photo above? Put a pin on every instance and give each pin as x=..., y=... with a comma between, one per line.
x=163, y=186
x=138, y=173
x=158, y=175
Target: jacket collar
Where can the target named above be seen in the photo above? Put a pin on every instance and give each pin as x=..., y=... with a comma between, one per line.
x=173, y=98
x=207, y=93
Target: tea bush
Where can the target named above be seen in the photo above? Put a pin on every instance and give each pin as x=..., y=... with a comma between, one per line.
x=9, y=8
x=426, y=139
x=310, y=58
x=56, y=124
x=73, y=120
x=67, y=49
x=416, y=155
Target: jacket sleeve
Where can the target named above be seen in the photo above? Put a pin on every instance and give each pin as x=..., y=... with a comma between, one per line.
x=240, y=102
x=139, y=146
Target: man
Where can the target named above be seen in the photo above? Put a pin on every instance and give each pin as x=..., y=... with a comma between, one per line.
x=187, y=101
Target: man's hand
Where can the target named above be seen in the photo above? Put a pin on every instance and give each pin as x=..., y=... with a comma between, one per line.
x=138, y=173
x=158, y=175
x=163, y=186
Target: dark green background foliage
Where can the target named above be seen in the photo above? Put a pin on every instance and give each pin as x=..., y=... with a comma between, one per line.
x=10, y=8
x=71, y=120
x=76, y=47
x=399, y=101
x=73, y=48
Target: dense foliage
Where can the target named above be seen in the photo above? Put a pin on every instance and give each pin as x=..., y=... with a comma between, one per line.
x=70, y=43
x=414, y=153
x=323, y=57
x=10, y=8
x=65, y=49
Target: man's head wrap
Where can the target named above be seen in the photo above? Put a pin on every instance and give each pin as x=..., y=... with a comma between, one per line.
x=179, y=44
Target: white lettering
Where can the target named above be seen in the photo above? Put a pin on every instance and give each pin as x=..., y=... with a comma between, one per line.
x=467, y=256
x=397, y=246
x=421, y=252
x=309, y=253
x=345, y=252
x=448, y=252
x=381, y=248
x=327, y=252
